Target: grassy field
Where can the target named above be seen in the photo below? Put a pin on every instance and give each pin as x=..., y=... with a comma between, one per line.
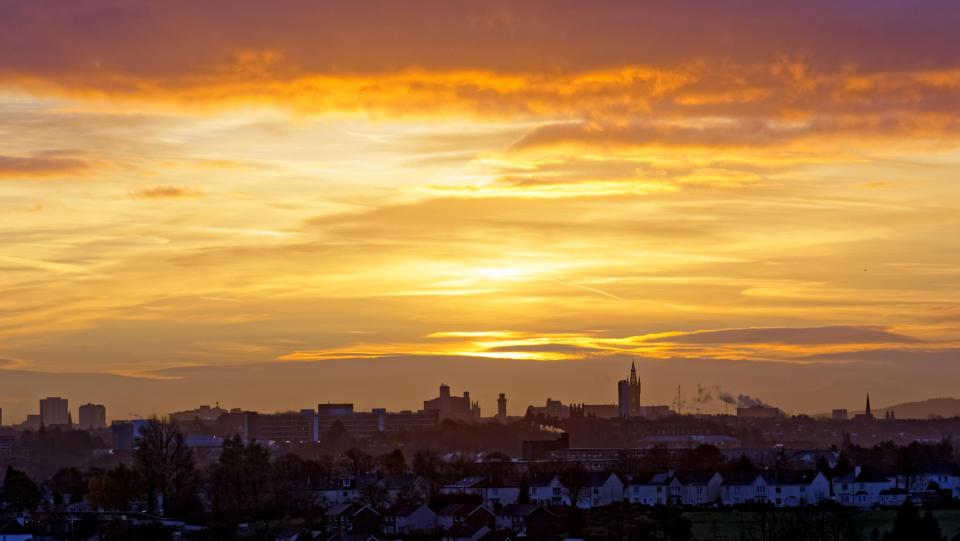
x=731, y=525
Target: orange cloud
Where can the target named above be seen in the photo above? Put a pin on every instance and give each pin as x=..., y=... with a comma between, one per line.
x=14, y=167
x=167, y=192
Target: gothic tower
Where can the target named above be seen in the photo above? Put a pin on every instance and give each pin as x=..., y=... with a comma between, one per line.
x=633, y=391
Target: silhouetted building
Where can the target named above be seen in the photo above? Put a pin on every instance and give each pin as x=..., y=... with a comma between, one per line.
x=204, y=414
x=759, y=412
x=633, y=393
x=54, y=411
x=543, y=449
x=32, y=422
x=597, y=411
x=366, y=425
x=279, y=427
x=840, y=414
x=623, y=399
x=92, y=417
x=867, y=414
x=125, y=433
x=8, y=445
x=553, y=408
x=502, y=407
x=456, y=408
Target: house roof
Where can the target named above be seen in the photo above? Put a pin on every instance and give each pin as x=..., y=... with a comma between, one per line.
x=542, y=480
x=497, y=483
x=460, y=509
x=790, y=477
x=871, y=477
x=700, y=478
x=896, y=491
x=597, y=479
x=466, y=482
x=402, y=510
x=520, y=509
x=465, y=531
x=349, y=509
x=659, y=478
x=740, y=477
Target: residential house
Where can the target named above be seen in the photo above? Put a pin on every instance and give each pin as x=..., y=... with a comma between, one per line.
x=404, y=487
x=456, y=514
x=352, y=518
x=401, y=519
x=860, y=488
x=797, y=488
x=335, y=492
x=697, y=488
x=493, y=492
x=602, y=488
x=525, y=518
x=466, y=532
x=931, y=481
x=649, y=489
x=743, y=487
x=549, y=490
x=893, y=497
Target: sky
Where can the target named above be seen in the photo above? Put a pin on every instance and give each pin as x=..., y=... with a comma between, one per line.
x=272, y=205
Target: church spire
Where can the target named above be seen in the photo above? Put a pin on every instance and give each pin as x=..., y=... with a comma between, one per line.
x=867, y=412
x=633, y=373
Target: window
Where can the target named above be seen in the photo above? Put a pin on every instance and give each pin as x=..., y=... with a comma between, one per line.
x=556, y=491
x=659, y=490
x=699, y=490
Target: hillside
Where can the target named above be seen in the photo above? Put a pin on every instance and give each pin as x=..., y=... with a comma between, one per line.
x=943, y=407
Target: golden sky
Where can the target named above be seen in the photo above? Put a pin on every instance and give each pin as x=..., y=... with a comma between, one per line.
x=506, y=196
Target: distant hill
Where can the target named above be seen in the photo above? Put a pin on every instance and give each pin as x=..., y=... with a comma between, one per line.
x=943, y=407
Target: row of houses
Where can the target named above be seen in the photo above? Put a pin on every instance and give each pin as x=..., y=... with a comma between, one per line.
x=455, y=521
x=781, y=488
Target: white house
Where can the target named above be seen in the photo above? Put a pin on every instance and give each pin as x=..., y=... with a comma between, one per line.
x=494, y=493
x=549, y=490
x=697, y=488
x=893, y=497
x=336, y=492
x=931, y=479
x=797, y=488
x=602, y=488
x=741, y=487
x=860, y=489
x=653, y=490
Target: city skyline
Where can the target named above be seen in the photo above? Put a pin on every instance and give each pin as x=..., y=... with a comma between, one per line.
x=308, y=202
x=627, y=402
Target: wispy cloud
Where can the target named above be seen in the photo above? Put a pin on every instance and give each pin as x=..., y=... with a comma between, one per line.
x=17, y=167
x=167, y=192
